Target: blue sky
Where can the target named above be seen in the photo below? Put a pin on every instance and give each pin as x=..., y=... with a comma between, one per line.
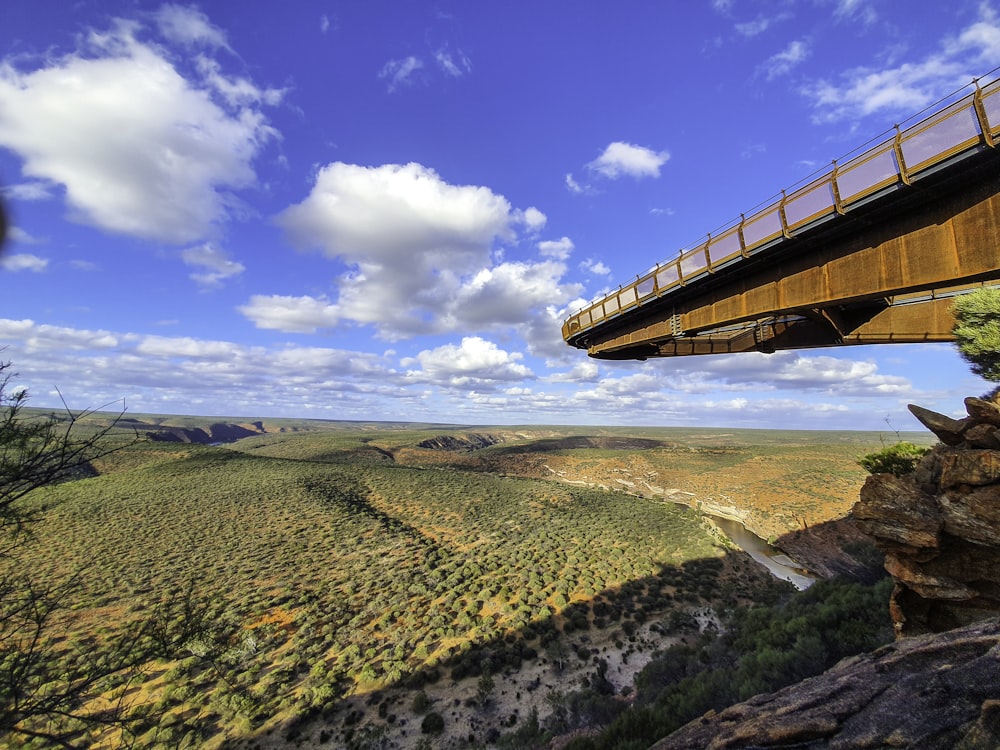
x=385, y=210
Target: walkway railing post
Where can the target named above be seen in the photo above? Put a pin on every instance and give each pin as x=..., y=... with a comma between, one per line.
x=837, y=202
x=984, y=122
x=897, y=147
x=781, y=216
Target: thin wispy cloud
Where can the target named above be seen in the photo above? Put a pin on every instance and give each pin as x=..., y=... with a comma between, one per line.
x=856, y=10
x=906, y=88
x=23, y=262
x=36, y=190
x=213, y=265
x=454, y=64
x=401, y=72
x=189, y=26
x=572, y=185
x=784, y=62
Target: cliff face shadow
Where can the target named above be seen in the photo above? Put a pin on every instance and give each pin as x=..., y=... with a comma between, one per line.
x=835, y=548
x=575, y=667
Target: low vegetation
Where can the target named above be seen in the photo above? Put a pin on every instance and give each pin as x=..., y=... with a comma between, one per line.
x=762, y=650
x=369, y=592
x=899, y=458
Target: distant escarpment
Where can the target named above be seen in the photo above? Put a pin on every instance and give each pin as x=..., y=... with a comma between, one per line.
x=468, y=441
x=220, y=432
x=578, y=442
x=939, y=527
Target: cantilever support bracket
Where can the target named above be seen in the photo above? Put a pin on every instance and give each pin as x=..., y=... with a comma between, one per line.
x=842, y=320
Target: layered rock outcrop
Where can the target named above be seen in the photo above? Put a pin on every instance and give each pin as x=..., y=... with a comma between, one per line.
x=933, y=692
x=939, y=527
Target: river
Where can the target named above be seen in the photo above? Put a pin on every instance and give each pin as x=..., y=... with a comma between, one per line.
x=780, y=565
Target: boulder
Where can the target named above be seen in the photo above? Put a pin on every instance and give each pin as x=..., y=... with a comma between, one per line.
x=982, y=411
x=949, y=431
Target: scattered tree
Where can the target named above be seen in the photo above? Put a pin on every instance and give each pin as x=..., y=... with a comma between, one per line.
x=61, y=694
x=484, y=689
x=977, y=330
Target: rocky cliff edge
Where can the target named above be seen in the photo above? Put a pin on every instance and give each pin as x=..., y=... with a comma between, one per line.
x=938, y=686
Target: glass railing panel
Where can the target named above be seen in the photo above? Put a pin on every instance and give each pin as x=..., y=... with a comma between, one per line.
x=946, y=134
x=646, y=286
x=762, y=227
x=991, y=104
x=693, y=261
x=610, y=305
x=869, y=172
x=725, y=246
x=810, y=203
x=667, y=277
x=626, y=297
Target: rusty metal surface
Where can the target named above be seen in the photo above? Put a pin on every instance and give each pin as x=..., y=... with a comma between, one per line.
x=939, y=240
x=819, y=268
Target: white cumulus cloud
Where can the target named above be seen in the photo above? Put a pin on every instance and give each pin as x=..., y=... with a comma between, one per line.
x=622, y=159
x=303, y=314
x=559, y=249
x=533, y=218
x=140, y=147
x=419, y=251
x=475, y=363
x=596, y=267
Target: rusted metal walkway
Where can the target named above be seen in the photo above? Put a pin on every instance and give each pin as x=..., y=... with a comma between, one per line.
x=872, y=252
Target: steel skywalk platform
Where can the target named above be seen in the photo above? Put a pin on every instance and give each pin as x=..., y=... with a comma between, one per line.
x=872, y=252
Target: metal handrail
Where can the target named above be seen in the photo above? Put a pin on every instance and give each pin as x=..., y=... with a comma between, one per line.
x=955, y=130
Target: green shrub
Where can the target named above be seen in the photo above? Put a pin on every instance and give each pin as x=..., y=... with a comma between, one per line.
x=898, y=459
x=433, y=723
